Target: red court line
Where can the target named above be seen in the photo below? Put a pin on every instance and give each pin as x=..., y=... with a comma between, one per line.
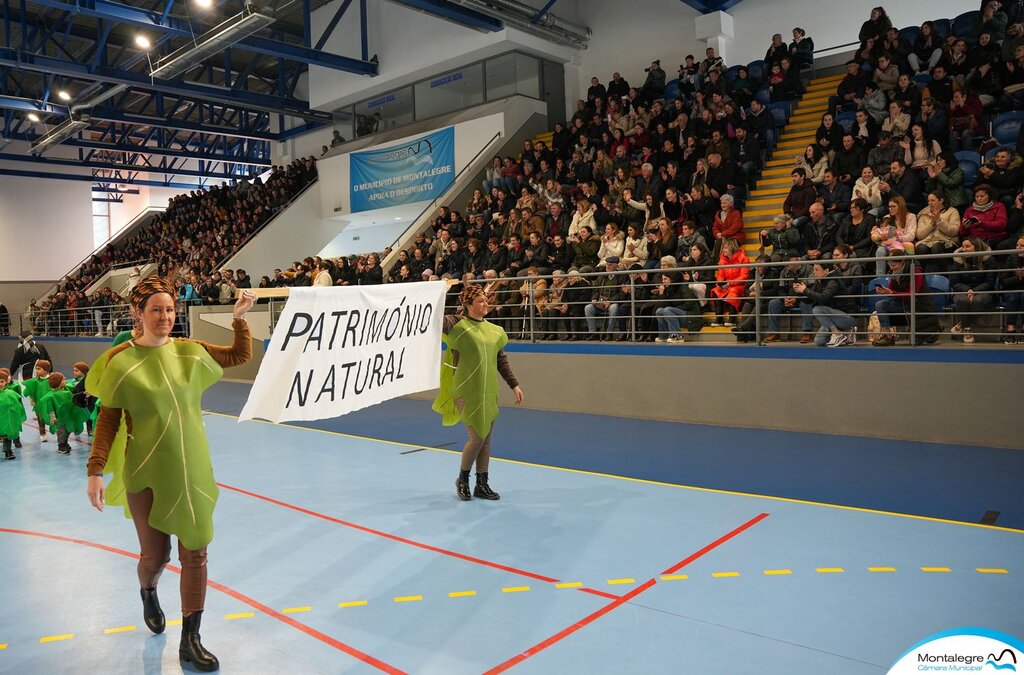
x=312, y=632
x=569, y=630
x=410, y=542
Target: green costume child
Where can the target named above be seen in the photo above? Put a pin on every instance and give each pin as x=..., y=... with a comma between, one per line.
x=12, y=413
x=35, y=389
x=64, y=417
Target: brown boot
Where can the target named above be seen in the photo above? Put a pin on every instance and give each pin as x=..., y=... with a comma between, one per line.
x=806, y=338
x=772, y=337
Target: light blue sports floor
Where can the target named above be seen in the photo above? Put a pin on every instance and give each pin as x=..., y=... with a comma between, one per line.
x=340, y=553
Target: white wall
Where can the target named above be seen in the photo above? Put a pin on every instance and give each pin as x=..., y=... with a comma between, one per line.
x=363, y=239
x=45, y=227
x=756, y=20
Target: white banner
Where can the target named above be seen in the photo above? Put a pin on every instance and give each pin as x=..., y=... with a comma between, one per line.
x=335, y=350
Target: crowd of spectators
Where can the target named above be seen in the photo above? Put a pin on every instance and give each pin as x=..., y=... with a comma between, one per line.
x=197, y=233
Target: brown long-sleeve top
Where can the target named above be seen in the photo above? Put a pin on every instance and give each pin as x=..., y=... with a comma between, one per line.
x=109, y=419
x=504, y=369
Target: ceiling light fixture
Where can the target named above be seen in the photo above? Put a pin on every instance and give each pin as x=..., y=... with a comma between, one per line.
x=142, y=42
x=204, y=4
x=33, y=117
x=63, y=95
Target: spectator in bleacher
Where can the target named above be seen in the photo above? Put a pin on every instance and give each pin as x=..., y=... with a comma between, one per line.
x=1012, y=97
x=760, y=122
x=688, y=237
x=798, y=202
x=634, y=250
x=787, y=301
x=896, y=301
x=675, y=301
x=927, y=49
x=985, y=218
x=875, y=103
x=908, y=96
x=881, y=157
x=850, y=89
x=886, y=75
x=746, y=154
x=814, y=162
x=855, y=230
x=897, y=122
x=732, y=283
x=801, y=50
x=828, y=294
x=783, y=238
x=900, y=181
x=776, y=50
x=613, y=243
x=728, y=224
x=495, y=257
x=932, y=118
x=582, y=217
x=984, y=79
x=820, y=234
x=938, y=231
x=898, y=50
x=585, y=250
x=654, y=85
x=866, y=187
x=417, y=265
x=742, y=88
x=829, y=135
x=992, y=20
x=867, y=55
x=1012, y=283
x=973, y=282
x=947, y=178
x=965, y=113
x=1004, y=173
x=492, y=175
x=1014, y=37
x=940, y=87
x=617, y=87
x=834, y=195
x=606, y=301
x=876, y=26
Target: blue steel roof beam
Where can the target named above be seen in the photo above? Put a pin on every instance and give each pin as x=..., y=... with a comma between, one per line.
x=95, y=179
x=103, y=9
x=456, y=14
x=45, y=64
x=331, y=25
x=111, y=166
x=107, y=146
x=31, y=105
x=240, y=131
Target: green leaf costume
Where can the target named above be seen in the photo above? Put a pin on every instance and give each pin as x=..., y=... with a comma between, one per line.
x=12, y=412
x=161, y=389
x=35, y=389
x=475, y=379
x=58, y=403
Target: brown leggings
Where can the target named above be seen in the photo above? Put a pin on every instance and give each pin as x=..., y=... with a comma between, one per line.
x=477, y=450
x=156, y=553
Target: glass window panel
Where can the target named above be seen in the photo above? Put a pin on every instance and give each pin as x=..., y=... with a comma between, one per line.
x=387, y=111
x=454, y=90
x=501, y=76
x=527, y=75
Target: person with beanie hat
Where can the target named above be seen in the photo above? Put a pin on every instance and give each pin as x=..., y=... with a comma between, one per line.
x=12, y=413
x=57, y=409
x=80, y=397
x=35, y=389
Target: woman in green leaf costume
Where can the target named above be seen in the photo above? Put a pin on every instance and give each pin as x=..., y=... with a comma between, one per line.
x=155, y=383
x=12, y=412
x=469, y=385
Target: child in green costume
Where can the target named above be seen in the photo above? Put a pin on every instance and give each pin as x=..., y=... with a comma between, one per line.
x=469, y=385
x=12, y=413
x=64, y=416
x=35, y=389
x=80, y=397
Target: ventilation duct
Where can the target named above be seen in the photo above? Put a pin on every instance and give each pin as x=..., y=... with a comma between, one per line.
x=548, y=26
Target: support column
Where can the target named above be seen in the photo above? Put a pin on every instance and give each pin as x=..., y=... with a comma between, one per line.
x=716, y=29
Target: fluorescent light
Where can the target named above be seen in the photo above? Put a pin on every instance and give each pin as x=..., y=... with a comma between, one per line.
x=63, y=95
x=397, y=218
x=205, y=4
x=60, y=133
x=142, y=42
x=34, y=117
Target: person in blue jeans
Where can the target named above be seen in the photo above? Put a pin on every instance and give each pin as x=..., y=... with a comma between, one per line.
x=826, y=290
x=789, y=301
x=676, y=302
x=902, y=274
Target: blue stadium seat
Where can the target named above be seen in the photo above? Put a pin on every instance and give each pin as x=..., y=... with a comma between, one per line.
x=757, y=70
x=763, y=95
x=969, y=161
x=780, y=111
x=730, y=74
x=939, y=284
x=846, y=119
x=871, y=295
x=671, y=90
x=964, y=24
x=942, y=27
x=1006, y=127
x=910, y=33
x=992, y=153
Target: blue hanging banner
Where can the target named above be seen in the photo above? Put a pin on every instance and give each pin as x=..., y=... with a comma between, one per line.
x=415, y=171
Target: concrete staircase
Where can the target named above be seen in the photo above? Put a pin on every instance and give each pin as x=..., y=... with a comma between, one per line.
x=766, y=198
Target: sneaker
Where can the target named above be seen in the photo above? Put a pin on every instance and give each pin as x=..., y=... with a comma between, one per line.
x=728, y=324
x=836, y=340
x=42, y=438
x=851, y=337
x=65, y=450
x=676, y=339
x=660, y=339
x=1009, y=339
x=968, y=337
x=17, y=442
x=715, y=324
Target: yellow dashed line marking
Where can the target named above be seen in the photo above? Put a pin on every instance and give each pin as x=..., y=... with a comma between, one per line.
x=56, y=638
x=992, y=570
x=119, y=629
x=409, y=598
x=674, y=577
x=881, y=569
x=615, y=582
x=239, y=615
x=461, y=594
x=354, y=603
x=936, y=569
x=293, y=610
x=515, y=589
x=829, y=570
x=3, y=646
x=174, y=622
x=569, y=584
x=719, y=575
x=773, y=573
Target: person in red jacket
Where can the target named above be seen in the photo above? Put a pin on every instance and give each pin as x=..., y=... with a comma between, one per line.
x=732, y=283
x=798, y=202
x=986, y=218
x=728, y=223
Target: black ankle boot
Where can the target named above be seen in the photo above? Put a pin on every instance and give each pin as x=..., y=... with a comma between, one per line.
x=192, y=649
x=462, y=489
x=482, y=489
x=151, y=611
